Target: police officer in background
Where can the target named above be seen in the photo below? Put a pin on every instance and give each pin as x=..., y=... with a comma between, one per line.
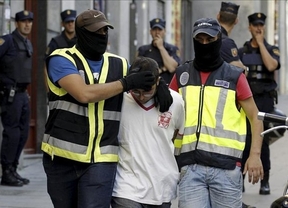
x=15, y=75
x=165, y=54
x=66, y=39
x=227, y=17
x=262, y=59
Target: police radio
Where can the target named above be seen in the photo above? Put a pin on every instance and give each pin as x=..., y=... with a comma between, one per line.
x=11, y=94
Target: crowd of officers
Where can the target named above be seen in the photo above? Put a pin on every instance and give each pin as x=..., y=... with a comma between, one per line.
x=257, y=59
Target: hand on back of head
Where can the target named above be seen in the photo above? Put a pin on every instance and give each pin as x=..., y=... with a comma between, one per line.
x=140, y=80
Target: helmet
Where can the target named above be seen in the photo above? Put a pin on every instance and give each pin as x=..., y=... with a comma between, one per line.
x=281, y=202
x=276, y=133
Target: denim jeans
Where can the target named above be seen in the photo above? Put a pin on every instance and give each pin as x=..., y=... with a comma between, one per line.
x=73, y=184
x=126, y=203
x=209, y=187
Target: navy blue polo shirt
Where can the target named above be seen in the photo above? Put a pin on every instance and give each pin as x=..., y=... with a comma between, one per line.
x=7, y=46
x=229, y=50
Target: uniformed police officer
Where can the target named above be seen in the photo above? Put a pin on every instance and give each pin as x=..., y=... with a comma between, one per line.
x=165, y=54
x=227, y=18
x=262, y=59
x=15, y=75
x=67, y=38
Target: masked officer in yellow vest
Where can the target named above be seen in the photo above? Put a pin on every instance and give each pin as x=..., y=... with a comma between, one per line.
x=217, y=99
x=86, y=86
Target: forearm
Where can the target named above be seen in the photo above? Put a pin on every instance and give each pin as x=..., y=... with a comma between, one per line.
x=169, y=63
x=256, y=143
x=99, y=92
x=83, y=93
x=270, y=63
x=239, y=63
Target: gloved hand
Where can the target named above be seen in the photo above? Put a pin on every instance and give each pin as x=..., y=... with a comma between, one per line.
x=140, y=80
x=163, y=96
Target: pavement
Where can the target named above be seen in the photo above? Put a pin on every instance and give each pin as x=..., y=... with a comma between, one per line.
x=34, y=195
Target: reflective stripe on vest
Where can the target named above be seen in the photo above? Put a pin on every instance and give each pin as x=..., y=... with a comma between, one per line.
x=91, y=111
x=212, y=112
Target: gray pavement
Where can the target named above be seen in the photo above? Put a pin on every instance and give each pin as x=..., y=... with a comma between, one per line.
x=35, y=194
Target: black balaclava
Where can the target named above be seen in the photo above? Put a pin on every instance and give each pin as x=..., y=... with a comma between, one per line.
x=207, y=56
x=90, y=44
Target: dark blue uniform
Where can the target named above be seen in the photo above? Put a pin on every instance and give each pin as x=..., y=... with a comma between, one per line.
x=229, y=50
x=15, y=75
x=60, y=41
x=263, y=87
x=153, y=52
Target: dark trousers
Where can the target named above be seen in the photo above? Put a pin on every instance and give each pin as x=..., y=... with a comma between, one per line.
x=15, y=120
x=73, y=184
x=265, y=103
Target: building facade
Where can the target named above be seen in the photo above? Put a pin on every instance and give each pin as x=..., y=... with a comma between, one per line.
x=130, y=19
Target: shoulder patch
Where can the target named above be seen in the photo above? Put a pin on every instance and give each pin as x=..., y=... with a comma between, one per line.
x=234, y=52
x=184, y=78
x=47, y=51
x=1, y=41
x=275, y=51
x=178, y=53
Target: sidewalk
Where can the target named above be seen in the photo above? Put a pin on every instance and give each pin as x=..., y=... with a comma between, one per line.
x=278, y=172
x=34, y=195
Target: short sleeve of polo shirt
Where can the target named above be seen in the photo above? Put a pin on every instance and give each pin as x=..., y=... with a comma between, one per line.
x=229, y=50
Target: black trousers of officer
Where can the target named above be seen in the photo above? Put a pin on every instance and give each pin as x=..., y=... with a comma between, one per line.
x=265, y=103
x=15, y=120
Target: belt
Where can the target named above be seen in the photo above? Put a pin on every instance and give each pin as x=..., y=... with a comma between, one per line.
x=258, y=75
x=20, y=89
x=17, y=89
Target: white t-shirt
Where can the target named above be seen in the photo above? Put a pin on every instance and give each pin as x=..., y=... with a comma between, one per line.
x=147, y=171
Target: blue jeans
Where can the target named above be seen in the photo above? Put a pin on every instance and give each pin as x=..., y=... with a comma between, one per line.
x=209, y=187
x=73, y=184
x=127, y=203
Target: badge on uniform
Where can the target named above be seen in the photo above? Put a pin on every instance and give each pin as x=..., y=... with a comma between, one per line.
x=234, y=52
x=276, y=51
x=1, y=41
x=178, y=53
x=47, y=51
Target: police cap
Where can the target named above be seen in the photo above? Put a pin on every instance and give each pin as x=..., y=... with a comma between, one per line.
x=157, y=22
x=92, y=20
x=208, y=26
x=229, y=7
x=257, y=18
x=68, y=15
x=23, y=15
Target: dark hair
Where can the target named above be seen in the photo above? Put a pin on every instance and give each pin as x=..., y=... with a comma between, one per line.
x=145, y=64
x=227, y=18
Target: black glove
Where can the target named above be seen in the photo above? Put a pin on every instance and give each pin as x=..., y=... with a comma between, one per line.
x=163, y=96
x=140, y=80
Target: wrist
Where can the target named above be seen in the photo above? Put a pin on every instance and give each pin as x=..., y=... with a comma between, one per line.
x=124, y=84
